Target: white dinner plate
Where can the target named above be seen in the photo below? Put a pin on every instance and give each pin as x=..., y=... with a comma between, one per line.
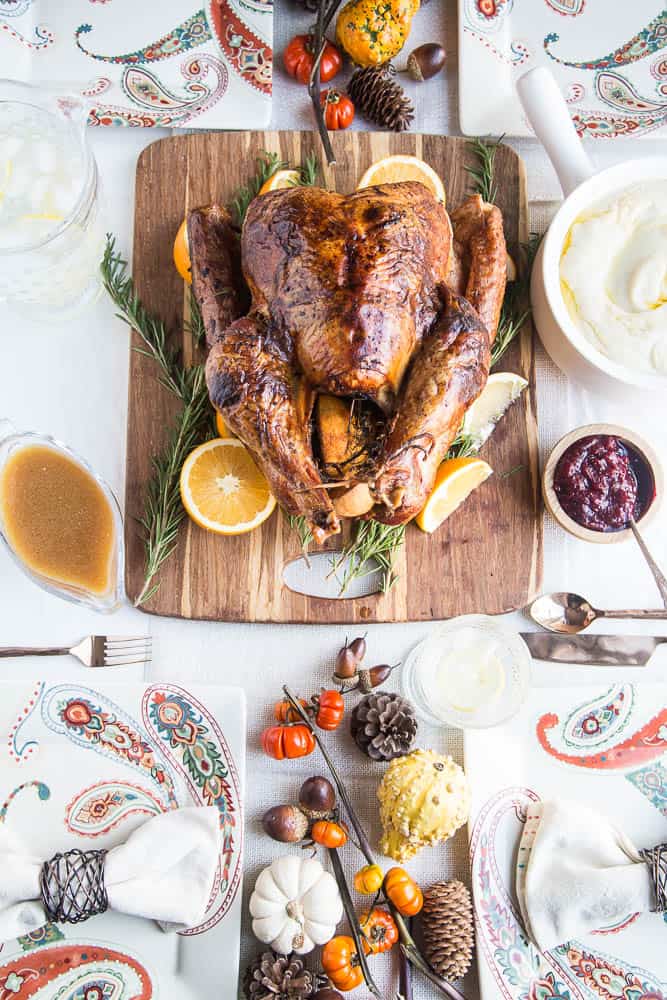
x=609, y=57
x=173, y=63
x=603, y=747
x=84, y=765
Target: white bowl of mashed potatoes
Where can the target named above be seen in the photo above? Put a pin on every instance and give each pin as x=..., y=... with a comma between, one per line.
x=599, y=285
x=599, y=282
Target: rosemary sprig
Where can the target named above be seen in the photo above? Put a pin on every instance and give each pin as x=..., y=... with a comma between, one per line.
x=164, y=512
x=310, y=171
x=152, y=331
x=372, y=549
x=195, y=327
x=267, y=164
x=482, y=174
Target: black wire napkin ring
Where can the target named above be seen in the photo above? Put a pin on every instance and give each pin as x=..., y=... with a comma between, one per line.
x=656, y=859
x=72, y=886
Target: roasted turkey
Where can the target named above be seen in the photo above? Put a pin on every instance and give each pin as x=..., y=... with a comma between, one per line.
x=375, y=309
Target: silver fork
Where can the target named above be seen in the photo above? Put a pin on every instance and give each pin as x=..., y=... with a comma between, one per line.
x=94, y=651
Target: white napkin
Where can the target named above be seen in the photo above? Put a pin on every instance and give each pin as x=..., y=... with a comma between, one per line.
x=576, y=873
x=164, y=871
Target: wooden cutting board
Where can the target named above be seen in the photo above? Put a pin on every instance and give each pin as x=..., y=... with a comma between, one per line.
x=486, y=558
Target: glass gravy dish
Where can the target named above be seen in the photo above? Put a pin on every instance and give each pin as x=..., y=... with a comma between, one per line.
x=94, y=580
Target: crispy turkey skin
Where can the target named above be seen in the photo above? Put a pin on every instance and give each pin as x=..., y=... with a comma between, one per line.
x=373, y=296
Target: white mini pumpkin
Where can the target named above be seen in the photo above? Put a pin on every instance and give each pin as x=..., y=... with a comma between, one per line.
x=295, y=905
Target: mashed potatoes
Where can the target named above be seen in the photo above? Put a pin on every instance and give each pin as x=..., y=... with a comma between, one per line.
x=613, y=274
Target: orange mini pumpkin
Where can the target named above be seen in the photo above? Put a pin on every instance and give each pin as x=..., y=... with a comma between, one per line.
x=379, y=930
x=403, y=892
x=329, y=834
x=340, y=961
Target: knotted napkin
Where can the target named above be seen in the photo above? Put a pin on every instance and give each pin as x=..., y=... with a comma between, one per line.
x=577, y=873
x=164, y=871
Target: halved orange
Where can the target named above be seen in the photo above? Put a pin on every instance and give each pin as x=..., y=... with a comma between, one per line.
x=281, y=179
x=223, y=490
x=402, y=167
x=455, y=481
x=182, y=253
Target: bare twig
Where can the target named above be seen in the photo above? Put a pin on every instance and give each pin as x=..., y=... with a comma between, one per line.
x=405, y=971
x=348, y=906
x=325, y=12
x=364, y=846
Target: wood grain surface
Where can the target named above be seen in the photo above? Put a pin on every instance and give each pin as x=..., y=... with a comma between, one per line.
x=486, y=558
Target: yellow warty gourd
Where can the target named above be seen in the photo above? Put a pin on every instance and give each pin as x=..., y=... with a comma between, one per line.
x=424, y=798
x=374, y=31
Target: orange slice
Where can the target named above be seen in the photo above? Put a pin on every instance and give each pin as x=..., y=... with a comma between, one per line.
x=182, y=253
x=223, y=490
x=393, y=169
x=221, y=427
x=455, y=481
x=281, y=179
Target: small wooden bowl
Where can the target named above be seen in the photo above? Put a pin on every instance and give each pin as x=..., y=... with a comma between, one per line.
x=638, y=444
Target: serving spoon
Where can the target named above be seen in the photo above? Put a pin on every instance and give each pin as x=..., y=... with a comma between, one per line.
x=571, y=613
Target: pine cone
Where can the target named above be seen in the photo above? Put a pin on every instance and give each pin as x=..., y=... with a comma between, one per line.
x=447, y=929
x=384, y=725
x=381, y=98
x=278, y=977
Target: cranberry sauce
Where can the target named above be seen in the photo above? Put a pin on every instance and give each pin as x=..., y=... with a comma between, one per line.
x=601, y=483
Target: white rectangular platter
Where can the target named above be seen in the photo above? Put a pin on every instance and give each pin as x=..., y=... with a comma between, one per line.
x=603, y=747
x=607, y=55
x=172, y=63
x=81, y=767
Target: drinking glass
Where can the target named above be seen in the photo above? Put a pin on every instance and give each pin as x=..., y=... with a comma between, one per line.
x=51, y=235
x=11, y=441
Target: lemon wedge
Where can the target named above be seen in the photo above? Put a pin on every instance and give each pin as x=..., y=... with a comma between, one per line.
x=223, y=490
x=500, y=391
x=456, y=479
x=400, y=167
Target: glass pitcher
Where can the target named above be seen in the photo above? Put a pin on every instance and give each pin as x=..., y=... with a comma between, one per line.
x=51, y=236
x=107, y=598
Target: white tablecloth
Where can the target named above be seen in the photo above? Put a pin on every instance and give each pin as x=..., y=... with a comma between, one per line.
x=72, y=382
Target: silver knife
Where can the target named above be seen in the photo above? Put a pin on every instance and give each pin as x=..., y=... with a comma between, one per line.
x=594, y=650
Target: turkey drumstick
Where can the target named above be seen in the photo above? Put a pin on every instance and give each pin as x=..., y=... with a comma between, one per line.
x=253, y=381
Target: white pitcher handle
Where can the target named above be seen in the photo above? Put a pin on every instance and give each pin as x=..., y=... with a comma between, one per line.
x=549, y=116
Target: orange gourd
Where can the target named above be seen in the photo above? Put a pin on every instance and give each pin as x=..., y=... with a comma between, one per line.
x=403, y=892
x=368, y=879
x=328, y=834
x=379, y=930
x=340, y=961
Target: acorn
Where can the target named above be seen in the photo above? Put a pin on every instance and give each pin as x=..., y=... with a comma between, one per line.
x=369, y=679
x=358, y=648
x=346, y=664
x=327, y=994
x=285, y=823
x=317, y=797
x=426, y=61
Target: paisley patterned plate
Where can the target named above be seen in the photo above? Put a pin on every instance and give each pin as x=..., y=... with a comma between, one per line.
x=603, y=747
x=194, y=63
x=609, y=58
x=82, y=767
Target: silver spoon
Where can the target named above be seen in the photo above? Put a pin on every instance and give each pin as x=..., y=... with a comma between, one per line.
x=572, y=613
x=658, y=575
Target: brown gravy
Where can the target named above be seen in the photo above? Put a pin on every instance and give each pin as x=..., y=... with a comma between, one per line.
x=57, y=518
